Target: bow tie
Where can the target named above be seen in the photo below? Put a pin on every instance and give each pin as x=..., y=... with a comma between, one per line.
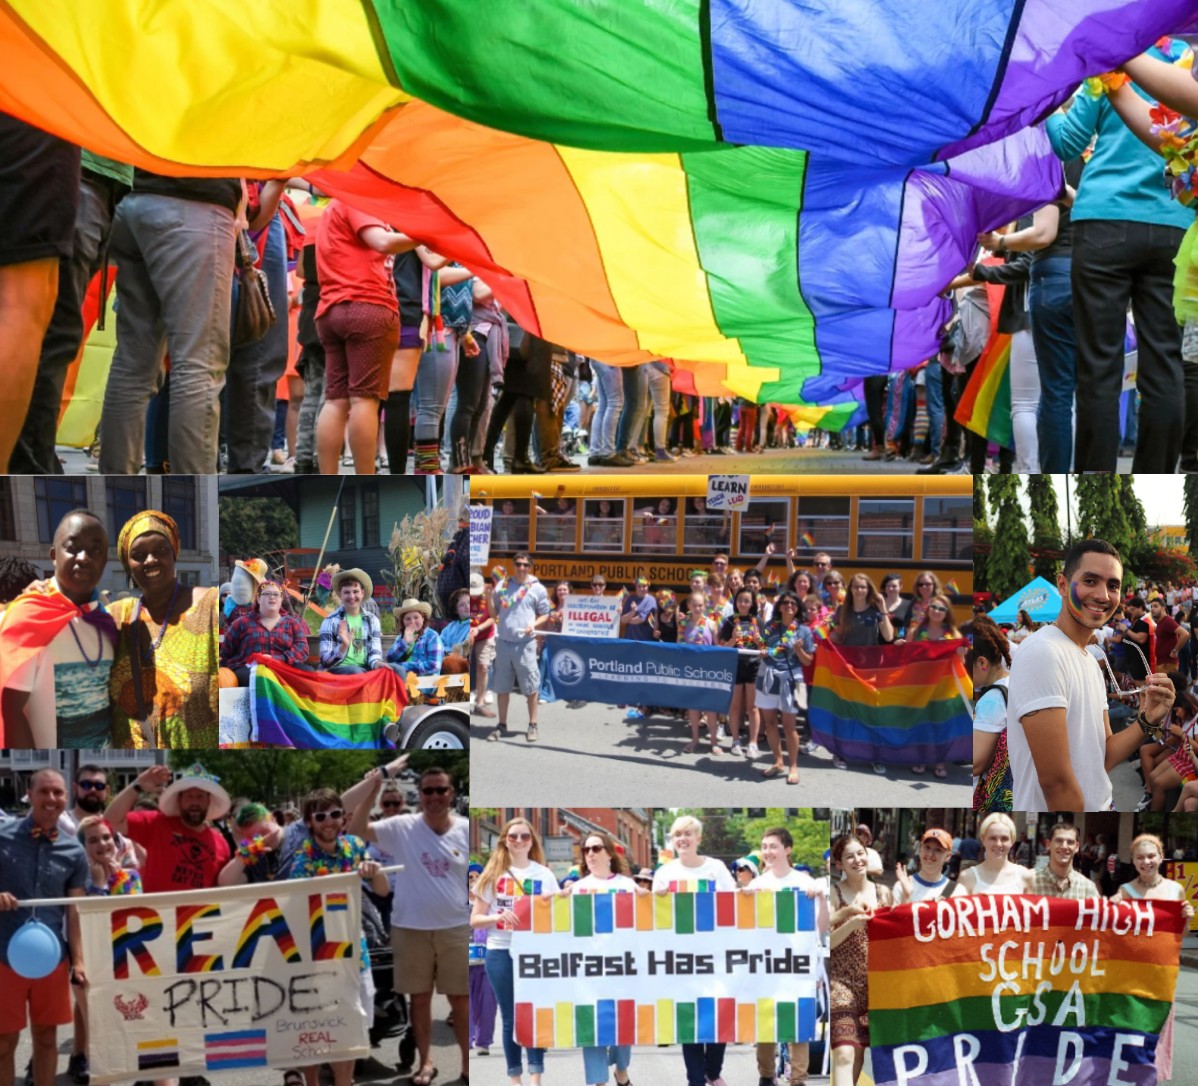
x=50, y=834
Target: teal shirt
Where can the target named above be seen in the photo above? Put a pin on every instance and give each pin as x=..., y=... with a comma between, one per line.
x=1124, y=179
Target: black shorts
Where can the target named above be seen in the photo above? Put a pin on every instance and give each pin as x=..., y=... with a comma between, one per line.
x=39, y=193
x=746, y=668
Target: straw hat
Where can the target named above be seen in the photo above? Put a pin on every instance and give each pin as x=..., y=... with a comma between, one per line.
x=195, y=776
x=341, y=576
x=255, y=567
x=413, y=605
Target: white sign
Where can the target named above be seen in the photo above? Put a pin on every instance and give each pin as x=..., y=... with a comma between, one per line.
x=725, y=492
x=238, y=977
x=592, y=616
x=480, y=534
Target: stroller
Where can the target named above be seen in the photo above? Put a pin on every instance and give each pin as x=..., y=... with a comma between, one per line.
x=391, y=1016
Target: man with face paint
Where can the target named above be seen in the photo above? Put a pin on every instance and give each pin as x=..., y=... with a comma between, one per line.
x=57, y=644
x=1058, y=731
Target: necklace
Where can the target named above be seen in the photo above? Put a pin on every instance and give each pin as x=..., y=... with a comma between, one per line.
x=1150, y=885
x=82, y=651
x=506, y=601
x=148, y=657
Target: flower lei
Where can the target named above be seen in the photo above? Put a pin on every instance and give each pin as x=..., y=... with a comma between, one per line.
x=251, y=850
x=748, y=633
x=506, y=601
x=693, y=632
x=314, y=861
x=789, y=636
x=124, y=881
x=1179, y=146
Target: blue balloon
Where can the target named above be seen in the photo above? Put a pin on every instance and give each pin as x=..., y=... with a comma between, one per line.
x=34, y=951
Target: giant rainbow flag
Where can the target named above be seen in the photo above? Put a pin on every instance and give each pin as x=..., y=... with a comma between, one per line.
x=1020, y=990
x=770, y=194
x=315, y=710
x=901, y=704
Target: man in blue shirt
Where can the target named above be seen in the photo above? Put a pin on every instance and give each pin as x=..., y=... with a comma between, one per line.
x=37, y=861
x=1126, y=232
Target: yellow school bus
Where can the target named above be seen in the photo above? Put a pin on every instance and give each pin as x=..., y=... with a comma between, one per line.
x=658, y=526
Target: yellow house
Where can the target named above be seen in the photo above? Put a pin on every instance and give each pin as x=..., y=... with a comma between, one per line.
x=1169, y=536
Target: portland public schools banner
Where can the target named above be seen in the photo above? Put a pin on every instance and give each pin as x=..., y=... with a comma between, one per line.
x=605, y=969
x=621, y=672
x=1019, y=989
x=226, y=979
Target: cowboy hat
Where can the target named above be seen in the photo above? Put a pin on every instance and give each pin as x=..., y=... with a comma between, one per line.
x=195, y=776
x=476, y=584
x=413, y=605
x=343, y=575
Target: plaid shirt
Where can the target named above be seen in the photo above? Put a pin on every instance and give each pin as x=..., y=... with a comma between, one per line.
x=288, y=641
x=1077, y=887
x=425, y=656
x=332, y=652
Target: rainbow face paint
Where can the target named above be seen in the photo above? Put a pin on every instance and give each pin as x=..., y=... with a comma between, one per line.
x=1074, y=601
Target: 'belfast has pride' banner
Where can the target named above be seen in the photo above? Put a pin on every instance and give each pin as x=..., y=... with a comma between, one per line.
x=677, y=968
x=994, y=991
x=223, y=979
x=619, y=672
x=902, y=704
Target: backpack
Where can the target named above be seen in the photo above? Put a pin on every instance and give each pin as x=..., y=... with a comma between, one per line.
x=995, y=788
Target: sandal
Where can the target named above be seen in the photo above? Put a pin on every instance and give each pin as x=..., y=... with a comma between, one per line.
x=689, y=748
x=939, y=771
x=919, y=769
x=772, y=770
x=293, y=1078
x=497, y=733
x=792, y=777
x=424, y=1076
x=716, y=749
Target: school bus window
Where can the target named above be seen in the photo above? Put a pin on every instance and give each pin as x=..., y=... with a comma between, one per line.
x=603, y=525
x=764, y=521
x=509, y=525
x=822, y=524
x=705, y=531
x=947, y=528
x=556, y=518
x=655, y=526
x=885, y=527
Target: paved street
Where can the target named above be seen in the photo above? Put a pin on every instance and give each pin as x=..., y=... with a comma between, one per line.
x=444, y=1053
x=590, y=756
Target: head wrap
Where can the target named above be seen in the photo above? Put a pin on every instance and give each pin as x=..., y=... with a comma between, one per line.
x=148, y=520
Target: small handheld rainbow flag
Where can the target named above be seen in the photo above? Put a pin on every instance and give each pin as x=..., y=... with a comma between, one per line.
x=807, y=539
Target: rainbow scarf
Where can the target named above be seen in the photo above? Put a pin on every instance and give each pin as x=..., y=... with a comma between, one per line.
x=901, y=704
x=315, y=710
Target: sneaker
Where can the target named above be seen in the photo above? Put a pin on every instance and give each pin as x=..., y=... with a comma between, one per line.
x=277, y=456
x=717, y=1081
x=490, y=698
x=497, y=733
x=880, y=769
x=482, y=1050
x=664, y=456
x=77, y=1069
x=531, y=736
x=1145, y=802
x=721, y=732
x=752, y=751
x=736, y=749
x=839, y=762
x=804, y=747
x=620, y=460
x=634, y=714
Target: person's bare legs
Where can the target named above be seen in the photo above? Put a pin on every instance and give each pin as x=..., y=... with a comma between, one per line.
x=735, y=710
x=792, y=744
x=295, y=400
x=363, y=433
x=751, y=715
x=769, y=721
x=421, y=1004
x=8, y=1058
x=533, y=701
x=45, y=1055
x=27, y=295
x=330, y=429
x=459, y=1007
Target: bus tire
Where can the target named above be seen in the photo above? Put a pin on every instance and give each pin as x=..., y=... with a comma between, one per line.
x=440, y=731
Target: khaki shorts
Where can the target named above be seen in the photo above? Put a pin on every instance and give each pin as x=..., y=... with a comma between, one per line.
x=424, y=957
x=484, y=652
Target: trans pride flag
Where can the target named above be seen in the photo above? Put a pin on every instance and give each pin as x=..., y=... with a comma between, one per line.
x=315, y=710
x=903, y=704
x=1020, y=990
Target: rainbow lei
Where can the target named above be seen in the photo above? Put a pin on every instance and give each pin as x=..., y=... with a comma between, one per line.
x=1098, y=85
x=314, y=861
x=789, y=636
x=693, y=632
x=748, y=634
x=250, y=851
x=1179, y=146
x=124, y=881
x=506, y=601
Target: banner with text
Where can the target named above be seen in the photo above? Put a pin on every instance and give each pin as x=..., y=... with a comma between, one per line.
x=592, y=616
x=223, y=979
x=991, y=990
x=1187, y=875
x=663, y=969
x=480, y=534
x=621, y=672
x=727, y=492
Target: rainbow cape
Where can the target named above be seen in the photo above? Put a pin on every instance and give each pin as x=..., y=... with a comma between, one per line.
x=777, y=218
x=902, y=704
x=985, y=405
x=940, y=1011
x=316, y=710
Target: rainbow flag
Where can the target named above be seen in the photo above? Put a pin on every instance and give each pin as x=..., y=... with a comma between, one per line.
x=985, y=405
x=902, y=704
x=1011, y=989
x=315, y=710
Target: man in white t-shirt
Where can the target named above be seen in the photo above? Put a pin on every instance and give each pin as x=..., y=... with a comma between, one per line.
x=430, y=915
x=776, y=848
x=1058, y=731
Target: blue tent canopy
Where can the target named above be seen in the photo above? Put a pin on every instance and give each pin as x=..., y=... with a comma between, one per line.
x=1039, y=599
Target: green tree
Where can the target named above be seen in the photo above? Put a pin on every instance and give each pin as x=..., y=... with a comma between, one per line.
x=254, y=527
x=980, y=512
x=1101, y=514
x=1007, y=569
x=1191, y=512
x=1046, y=529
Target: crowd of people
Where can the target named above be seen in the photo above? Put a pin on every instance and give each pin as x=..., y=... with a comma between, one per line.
x=774, y=627
x=992, y=863
x=168, y=832
x=80, y=670
x=518, y=860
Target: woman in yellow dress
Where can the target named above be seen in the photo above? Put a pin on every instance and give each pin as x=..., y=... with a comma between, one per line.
x=164, y=678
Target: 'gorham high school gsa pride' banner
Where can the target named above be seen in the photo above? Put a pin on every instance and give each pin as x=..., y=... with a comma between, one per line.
x=605, y=969
x=232, y=978
x=994, y=991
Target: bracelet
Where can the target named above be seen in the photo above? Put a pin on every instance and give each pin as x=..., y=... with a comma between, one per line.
x=250, y=851
x=138, y=789
x=1153, y=731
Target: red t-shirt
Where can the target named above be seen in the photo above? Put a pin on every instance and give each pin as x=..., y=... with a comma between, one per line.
x=176, y=858
x=348, y=269
x=479, y=613
x=1166, y=638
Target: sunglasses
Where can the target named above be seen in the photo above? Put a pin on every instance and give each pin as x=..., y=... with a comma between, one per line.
x=335, y=814
x=435, y=790
x=519, y=836
x=598, y=584
x=939, y=610
x=392, y=803
x=788, y=603
x=593, y=848
x=834, y=584
x=923, y=584
x=523, y=565
x=822, y=565
x=92, y=786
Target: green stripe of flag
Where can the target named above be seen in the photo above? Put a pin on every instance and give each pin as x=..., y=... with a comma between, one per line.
x=584, y=1024
x=583, y=914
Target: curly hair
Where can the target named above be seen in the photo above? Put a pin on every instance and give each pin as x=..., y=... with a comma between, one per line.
x=989, y=643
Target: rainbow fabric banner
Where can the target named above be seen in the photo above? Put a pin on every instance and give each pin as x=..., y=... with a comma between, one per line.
x=679, y=968
x=994, y=990
x=313, y=710
x=985, y=405
x=777, y=219
x=263, y=976
x=902, y=704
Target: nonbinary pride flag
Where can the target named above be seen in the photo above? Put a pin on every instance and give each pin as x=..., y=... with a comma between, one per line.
x=1017, y=989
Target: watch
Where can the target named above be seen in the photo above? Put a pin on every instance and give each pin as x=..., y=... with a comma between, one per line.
x=138, y=789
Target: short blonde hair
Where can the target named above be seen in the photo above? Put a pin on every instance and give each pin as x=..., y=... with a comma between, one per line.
x=687, y=822
x=998, y=818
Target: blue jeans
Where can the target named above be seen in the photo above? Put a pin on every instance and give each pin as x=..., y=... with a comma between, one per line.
x=1050, y=305
x=703, y=1063
x=174, y=280
x=934, y=376
x=597, y=1059
x=658, y=376
x=609, y=391
x=346, y=669
x=435, y=375
x=499, y=971
x=636, y=406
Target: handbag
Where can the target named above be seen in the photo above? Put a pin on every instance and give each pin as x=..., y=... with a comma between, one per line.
x=255, y=311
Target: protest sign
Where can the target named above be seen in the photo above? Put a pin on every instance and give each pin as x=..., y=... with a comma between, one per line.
x=991, y=990
x=678, y=968
x=1187, y=875
x=727, y=492
x=480, y=534
x=592, y=616
x=620, y=672
x=223, y=979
